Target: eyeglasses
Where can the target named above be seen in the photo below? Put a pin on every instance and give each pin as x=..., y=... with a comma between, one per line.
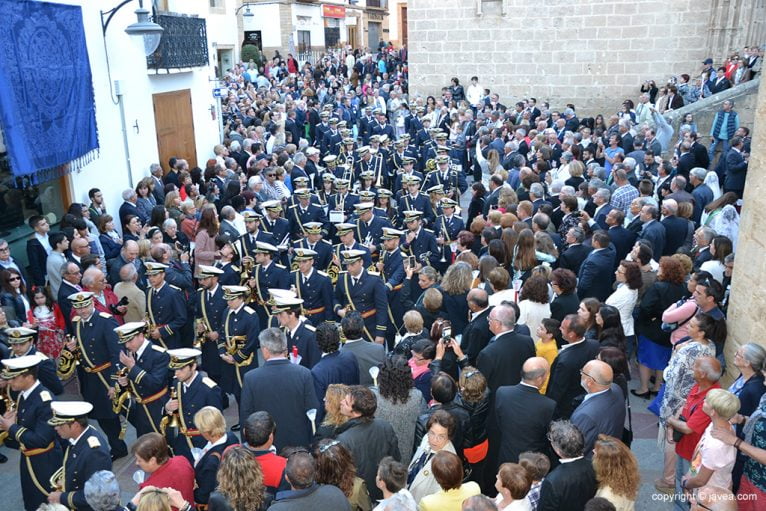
x=418, y=358
x=270, y=175
x=5, y=249
x=589, y=376
x=437, y=436
x=14, y=279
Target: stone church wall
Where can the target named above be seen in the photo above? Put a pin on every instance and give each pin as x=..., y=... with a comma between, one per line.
x=593, y=53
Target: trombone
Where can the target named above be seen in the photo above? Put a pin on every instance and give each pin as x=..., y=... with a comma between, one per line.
x=56, y=481
x=121, y=394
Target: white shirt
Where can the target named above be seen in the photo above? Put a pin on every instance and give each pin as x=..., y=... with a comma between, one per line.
x=44, y=242
x=569, y=346
x=27, y=392
x=624, y=299
x=142, y=348
x=74, y=442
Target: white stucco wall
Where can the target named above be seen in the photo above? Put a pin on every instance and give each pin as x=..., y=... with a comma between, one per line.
x=109, y=171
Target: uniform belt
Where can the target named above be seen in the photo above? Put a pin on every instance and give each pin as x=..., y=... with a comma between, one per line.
x=40, y=450
x=369, y=313
x=152, y=398
x=191, y=432
x=98, y=369
x=311, y=312
x=397, y=287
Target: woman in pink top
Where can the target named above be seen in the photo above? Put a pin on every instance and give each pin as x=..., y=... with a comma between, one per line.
x=682, y=311
x=204, y=242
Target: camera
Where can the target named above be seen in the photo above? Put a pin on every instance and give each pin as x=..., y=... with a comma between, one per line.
x=113, y=308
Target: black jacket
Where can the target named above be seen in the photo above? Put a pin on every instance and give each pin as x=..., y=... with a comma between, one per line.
x=462, y=425
x=656, y=300
x=564, y=384
x=500, y=362
x=369, y=441
x=522, y=415
x=476, y=335
x=568, y=487
x=478, y=413
x=564, y=304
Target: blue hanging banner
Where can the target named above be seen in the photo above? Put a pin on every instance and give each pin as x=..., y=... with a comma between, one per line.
x=47, y=111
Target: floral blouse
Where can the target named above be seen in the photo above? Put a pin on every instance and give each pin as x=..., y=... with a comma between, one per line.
x=755, y=471
x=679, y=376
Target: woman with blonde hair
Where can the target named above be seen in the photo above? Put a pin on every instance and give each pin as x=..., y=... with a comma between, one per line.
x=151, y=498
x=455, y=286
x=333, y=418
x=240, y=483
x=617, y=473
x=173, y=205
x=212, y=426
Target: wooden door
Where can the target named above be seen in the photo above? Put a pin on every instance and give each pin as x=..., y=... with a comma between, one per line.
x=175, y=127
x=403, y=27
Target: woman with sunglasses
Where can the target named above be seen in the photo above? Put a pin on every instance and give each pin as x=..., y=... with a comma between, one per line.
x=13, y=295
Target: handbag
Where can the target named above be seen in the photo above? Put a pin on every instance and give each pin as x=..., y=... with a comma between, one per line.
x=677, y=435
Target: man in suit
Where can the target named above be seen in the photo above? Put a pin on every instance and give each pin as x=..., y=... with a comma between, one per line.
x=476, y=334
x=335, y=366
x=368, y=354
x=736, y=168
x=128, y=255
x=573, y=483
x=227, y=226
x=596, y=273
x=70, y=284
x=601, y=199
x=155, y=169
x=687, y=161
x=603, y=408
x=676, y=228
x=500, y=362
x=129, y=207
x=720, y=83
x=675, y=101
x=626, y=139
x=523, y=414
x=653, y=231
x=575, y=253
x=38, y=248
x=701, y=192
x=564, y=384
x=621, y=238
x=283, y=389
x=701, y=249
x=495, y=183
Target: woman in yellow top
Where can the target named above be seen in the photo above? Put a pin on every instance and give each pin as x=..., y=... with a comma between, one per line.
x=546, y=346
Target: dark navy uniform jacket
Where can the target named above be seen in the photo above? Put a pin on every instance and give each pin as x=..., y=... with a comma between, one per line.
x=89, y=455
x=371, y=231
x=452, y=180
x=366, y=258
x=231, y=274
x=99, y=356
x=206, y=469
x=37, y=442
x=419, y=203
x=202, y=392
x=323, y=248
x=384, y=129
x=148, y=382
x=316, y=292
x=245, y=244
x=393, y=277
x=297, y=216
x=331, y=142
x=304, y=339
x=244, y=323
x=398, y=179
x=278, y=228
x=368, y=297
x=46, y=372
x=167, y=307
x=274, y=276
x=346, y=204
x=211, y=308
x=425, y=242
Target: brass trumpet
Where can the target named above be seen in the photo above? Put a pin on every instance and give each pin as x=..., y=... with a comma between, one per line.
x=68, y=360
x=172, y=419
x=231, y=343
x=150, y=326
x=201, y=336
x=10, y=406
x=121, y=394
x=57, y=480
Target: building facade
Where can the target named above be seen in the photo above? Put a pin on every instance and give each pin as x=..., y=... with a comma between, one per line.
x=305, y=28
x=592, y=53
x=147, y=109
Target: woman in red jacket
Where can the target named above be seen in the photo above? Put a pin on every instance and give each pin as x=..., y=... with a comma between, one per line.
x=153, y=457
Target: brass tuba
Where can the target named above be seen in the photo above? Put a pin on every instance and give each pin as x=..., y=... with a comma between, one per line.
x=57, y=480
x=201, y=337
x=10, y=405
x=68, y=360
x=172, y=419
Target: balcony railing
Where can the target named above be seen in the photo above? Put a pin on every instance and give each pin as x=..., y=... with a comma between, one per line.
x=377, y=4
x=183, y=43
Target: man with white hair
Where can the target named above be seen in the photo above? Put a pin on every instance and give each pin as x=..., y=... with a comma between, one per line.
x=130, y=207
x=155, y=169
x=676, y=228
x=537, y=196
x=283, y=389
x=601, y=200
x=701, y=192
